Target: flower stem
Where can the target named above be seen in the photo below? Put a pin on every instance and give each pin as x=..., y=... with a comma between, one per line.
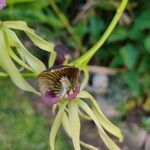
x=67, y=24
x=25, y=75
x=84, y=59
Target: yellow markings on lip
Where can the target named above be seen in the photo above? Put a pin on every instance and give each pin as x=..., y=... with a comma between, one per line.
x=65, y=80
x=65, y=83
x=58, y=79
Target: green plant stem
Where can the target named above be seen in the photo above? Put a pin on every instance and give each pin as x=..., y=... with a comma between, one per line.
x=66, y=23
x=84, y=59
x=25, y=75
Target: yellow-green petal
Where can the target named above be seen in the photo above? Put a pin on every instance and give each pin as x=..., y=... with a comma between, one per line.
x=109, y=143
x=38, y=41
x=88, y=146
x=34, y=62
x=7, y=64
x=74, y=124
x=66, y=124
x=67, y=128
x=56, y=125
x=85, y=77
x=101, y=117
x=84, y=116
x=18, y=60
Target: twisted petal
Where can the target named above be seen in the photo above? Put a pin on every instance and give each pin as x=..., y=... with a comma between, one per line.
x=109, y=143
x=7, y=64
x=101, y=117
x=100, y=120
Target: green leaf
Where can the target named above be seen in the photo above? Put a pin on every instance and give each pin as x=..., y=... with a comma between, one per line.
x=132, y=81
x=136, y=35
x=54, y=22
x=81, y=29
x=96, y=26
x=144, y=64
x=147, y=43
x=106, y=5
x=7, y=64
x=142, y=21
x=146, y=123
x=64, y=4
x=119, y=34
x=129, y=55
x=146, y=83
x=117, y=61
x=74, y=124
x=56, y=125
x=32, y=16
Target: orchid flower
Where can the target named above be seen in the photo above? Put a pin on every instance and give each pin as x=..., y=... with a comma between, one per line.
x=59, y=84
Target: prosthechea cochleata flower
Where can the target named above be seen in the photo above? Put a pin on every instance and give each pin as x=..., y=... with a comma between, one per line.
x=59, y=84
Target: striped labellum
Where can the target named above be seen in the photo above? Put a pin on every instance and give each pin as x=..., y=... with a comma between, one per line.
x=59, y=82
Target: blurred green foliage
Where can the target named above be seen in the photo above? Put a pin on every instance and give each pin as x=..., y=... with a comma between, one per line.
x=20, y=126
x=146, y=123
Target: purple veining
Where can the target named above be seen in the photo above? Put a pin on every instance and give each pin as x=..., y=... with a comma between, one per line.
x=50, y=98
